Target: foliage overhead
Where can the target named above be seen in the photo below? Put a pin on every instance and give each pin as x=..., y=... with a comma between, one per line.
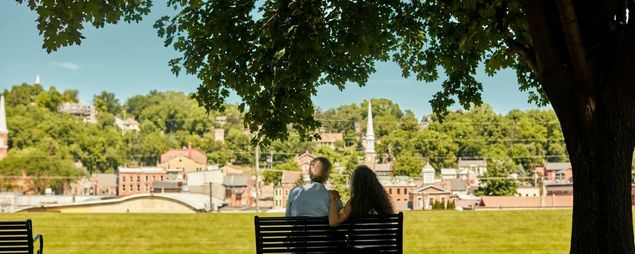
x=275, y=55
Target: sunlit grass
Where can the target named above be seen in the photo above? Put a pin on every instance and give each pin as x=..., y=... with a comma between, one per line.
x=536, y=231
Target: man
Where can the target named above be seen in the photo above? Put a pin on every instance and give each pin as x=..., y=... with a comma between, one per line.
x=312, y=199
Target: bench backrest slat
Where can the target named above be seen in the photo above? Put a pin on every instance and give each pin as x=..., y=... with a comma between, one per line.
x=16, y=237
x=380, y=233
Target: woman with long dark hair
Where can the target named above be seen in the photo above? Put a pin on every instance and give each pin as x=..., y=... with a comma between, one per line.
x=367, y=197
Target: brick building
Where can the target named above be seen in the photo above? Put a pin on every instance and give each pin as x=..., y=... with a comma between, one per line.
x=424, y=197
x=330, y=139
x=178, y=162
x=238, y=190
x=139, y=180
x=398, y=188
x=304, y=161
x=281, y=191
x=559, y=172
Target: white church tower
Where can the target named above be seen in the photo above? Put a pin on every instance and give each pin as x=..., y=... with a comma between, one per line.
x=370, y=157
x=4, y=132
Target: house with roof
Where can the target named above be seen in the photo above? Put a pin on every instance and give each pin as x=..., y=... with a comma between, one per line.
x=477, y=166
x=127, y=125
x=238, y=190
x=78, y=109
x=559, y=172
x=139, y=180
x=470, y=170
x=449, y=173
x=304, y=161
x=330, y=139
x=178, y=162
x=423, y=198
x=455, y=186
x=282, y=190
x=398, y=188
x=95, y=184
x=204, y=182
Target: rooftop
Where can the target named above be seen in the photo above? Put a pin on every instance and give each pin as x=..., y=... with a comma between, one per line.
x=145, y=170
x=234, y=180
x=558, y=165
x=331, y=137
x=473, y=163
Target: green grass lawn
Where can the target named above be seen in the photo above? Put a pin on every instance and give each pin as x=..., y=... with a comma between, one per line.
x=536, y=231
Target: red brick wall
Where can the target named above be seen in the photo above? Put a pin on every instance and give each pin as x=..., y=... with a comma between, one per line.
x=399, y=196
x=140, y=182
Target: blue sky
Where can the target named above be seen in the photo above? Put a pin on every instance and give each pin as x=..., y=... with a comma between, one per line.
x=130, y=59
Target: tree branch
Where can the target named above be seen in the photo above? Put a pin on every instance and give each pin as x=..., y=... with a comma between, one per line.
x=547, y=42
x=525, y=52
x=575, y=45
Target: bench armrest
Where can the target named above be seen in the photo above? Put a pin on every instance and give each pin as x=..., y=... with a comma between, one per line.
x=41, y=238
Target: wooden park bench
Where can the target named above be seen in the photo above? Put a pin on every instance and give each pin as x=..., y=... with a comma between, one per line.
x=16, y=237
x=376, y=234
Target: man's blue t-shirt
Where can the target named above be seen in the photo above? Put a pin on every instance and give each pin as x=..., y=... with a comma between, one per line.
x=310, y=200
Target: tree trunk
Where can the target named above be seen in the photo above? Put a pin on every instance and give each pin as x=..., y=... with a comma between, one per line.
x=599, y=141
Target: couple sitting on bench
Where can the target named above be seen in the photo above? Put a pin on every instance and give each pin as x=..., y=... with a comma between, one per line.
x=368, y=196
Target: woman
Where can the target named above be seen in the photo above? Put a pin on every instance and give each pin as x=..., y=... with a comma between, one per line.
x=368, y=197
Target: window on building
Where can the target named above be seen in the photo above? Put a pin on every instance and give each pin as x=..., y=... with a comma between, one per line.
x=431, y=201
x=161, y=178
x=131, y=178
x=390, y=191
x=147, y=178
x=138, y=178
x=154, y=178
x=138, y=187
x=405, y=191
x=123, y=178
x=398, y=200
x=398, y=191
x=442, y=200
x=145, y=188
x=131, y=189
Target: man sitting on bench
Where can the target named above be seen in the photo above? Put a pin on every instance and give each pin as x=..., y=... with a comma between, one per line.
x=312, y=199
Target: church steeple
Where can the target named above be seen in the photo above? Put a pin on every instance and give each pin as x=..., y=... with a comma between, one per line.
x=370, y=157
x=4, y=132
x=37, y=79
x=370, y=132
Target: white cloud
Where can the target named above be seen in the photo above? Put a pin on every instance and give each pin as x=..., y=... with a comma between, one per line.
x=67, y=65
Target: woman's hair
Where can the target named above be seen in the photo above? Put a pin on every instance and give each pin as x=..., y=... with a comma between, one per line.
x=368, y=196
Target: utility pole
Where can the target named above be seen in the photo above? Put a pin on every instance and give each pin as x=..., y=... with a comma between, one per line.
x=257, y=171
x=211, y=199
